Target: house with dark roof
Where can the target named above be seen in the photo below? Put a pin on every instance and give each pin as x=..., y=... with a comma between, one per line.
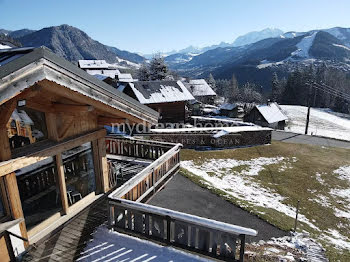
x=201, y=90
x=168, y=98
x=269, y=115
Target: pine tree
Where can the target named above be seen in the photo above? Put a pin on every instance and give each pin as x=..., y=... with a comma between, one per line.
x=275, y=87
x=158, y=68
x=211, y=82
x=234, y=96
x=143, y=73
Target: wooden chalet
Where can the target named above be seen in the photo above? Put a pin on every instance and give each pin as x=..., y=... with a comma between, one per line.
x=49, y=184
x=47, y=180
x=167, y=97
x=201, y=90
x=269, y=115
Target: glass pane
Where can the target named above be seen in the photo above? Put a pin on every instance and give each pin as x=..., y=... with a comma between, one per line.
x=2, y=208
x=26, y=126
x=79, y=172
x=39, y=191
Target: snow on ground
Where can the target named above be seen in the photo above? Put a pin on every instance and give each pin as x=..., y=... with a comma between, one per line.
x=219, y=173
x=109, y=246
x=342, y=46
x=309, y=249
x=343, y=173
x=323, y=122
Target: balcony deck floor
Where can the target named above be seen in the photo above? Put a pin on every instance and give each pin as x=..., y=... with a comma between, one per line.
x=67, y=243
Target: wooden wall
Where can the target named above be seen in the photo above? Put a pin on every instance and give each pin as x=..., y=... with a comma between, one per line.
x=170, y=112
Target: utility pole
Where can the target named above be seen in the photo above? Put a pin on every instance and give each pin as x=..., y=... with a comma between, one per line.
x=308, y=109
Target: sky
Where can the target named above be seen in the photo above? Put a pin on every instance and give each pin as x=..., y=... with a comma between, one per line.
x=150, y=26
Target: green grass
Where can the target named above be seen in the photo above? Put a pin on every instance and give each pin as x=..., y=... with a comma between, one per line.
x=295, y=183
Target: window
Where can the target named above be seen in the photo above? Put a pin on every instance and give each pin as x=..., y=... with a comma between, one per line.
x=79, y=172
x=39, y=191
x=26, y=126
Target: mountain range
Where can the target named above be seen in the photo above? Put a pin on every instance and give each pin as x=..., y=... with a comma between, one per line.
x=71, y=43
x=256, y=62
x=253, y=57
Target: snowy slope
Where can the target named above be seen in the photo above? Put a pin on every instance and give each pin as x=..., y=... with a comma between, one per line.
x=323, y=122
x=304, y=46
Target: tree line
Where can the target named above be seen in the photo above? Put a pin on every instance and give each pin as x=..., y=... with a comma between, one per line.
x=293, y=90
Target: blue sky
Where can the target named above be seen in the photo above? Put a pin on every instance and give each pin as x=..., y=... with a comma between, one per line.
x=149, y=26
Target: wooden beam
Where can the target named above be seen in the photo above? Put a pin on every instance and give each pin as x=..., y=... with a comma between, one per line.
x=58, y=90
x=72, y=109
x=97, y=169
x=40, y=106
x=6, y=111
x=15, y=202
x=101, y=120
x=62, y=183
x=5, y=149
x=103, y=164
x=12, y=165
x=65, y=127
x=51, y=125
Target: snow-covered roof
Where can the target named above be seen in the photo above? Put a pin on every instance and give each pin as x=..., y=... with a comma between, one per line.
x=228, y=106
x=151, y=92
x=272, y=113
x=22, y=116
x=127, y=78
x=104, y=72
x=4, y=46
x=199, y=87
x=95, y=64
x=231, y=129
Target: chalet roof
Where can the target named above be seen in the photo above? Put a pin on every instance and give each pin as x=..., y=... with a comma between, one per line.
x=228, y=106
x=151, y=92
x=95, y=64
x=199, y=87
x=271, y=112
x=126, y=78
x=21, y=68
x=105, y=72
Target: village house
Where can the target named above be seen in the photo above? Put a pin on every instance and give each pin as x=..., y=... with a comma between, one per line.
x=98, y=67
x=201, y=91
x=229, y=110
x=269, y=115
x=168, y=98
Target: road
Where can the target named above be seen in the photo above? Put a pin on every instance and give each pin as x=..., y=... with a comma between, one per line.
x=183, y=195
x=306, y=139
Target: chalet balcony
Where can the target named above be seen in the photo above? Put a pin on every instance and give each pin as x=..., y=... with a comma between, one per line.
x=136, y=169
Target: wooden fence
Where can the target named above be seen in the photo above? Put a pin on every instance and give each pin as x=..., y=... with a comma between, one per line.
x=197, y=234
x=166, y=162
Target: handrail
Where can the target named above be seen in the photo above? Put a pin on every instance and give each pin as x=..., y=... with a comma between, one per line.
x=179, y=216
x=190, y=232
x=17, y=236
x=141, y=141
x=119, y=192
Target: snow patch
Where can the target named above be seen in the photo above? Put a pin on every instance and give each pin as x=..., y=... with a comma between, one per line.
x=323, y=122
x=239, y=184
x=342, y=46
x=343, y=173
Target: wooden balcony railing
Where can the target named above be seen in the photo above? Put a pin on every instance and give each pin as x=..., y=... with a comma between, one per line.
x=166, y=162
x=139, y=148
x=197, y=234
